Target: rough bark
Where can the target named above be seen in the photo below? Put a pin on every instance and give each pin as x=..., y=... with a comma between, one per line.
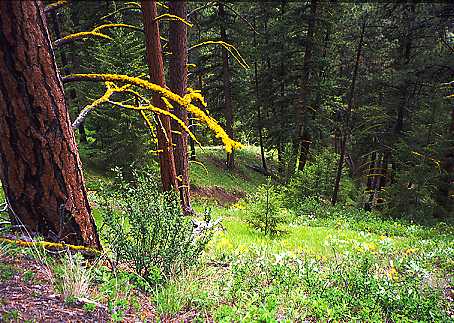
x=39, y=163
x=306, y=89
x=227, y=86
x=178, y=79
x=156, y=70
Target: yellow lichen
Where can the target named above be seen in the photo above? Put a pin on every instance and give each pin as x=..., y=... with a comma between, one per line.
x=80, y=35
x=56, y=5
x=111, y=89
x=52, y=245
x=184, y=102
x=159, y=111
x=229, y=47
x=108, y=26
x=168, y=16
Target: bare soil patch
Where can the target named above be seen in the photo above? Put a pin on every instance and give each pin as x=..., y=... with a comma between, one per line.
x=35, y=299
x=219, y=194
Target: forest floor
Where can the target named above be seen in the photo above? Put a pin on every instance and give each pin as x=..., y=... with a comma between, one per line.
x=328, y=264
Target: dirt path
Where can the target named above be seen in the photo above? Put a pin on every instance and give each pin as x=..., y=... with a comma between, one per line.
x=26, y=293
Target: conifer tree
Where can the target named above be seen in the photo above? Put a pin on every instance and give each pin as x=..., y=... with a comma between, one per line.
x=40, y=167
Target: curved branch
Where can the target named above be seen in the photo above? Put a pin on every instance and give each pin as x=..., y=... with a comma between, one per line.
x=168, y=16
x=201, y=7
x=229, y=47
x=93, y=33
x=184, y=102
x=56, y=5
x=242, y=18
x=77, y=36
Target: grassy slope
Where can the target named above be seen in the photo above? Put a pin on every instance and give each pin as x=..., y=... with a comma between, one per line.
x=312, y=237
x=402, y=252
x=209, y=169
x=344, y=265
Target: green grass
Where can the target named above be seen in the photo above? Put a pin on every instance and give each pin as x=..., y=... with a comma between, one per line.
x=329, y=268
x=328, y=264
x=212, y=172
x=326, y=237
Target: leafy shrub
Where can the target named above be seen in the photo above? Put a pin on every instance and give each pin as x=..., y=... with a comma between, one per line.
x=265, y=211
x=354, y=287
x=411, y=195
x=317, y=178
x=146, y=228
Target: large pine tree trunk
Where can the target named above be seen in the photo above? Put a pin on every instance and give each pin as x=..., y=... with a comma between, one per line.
x=156, y=70
x=39, y=163
x=227, y=84
x=178, y=72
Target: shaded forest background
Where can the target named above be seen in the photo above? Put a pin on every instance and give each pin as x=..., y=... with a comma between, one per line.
x=363, y=87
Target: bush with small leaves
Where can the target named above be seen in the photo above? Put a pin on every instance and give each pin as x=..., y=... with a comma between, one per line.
x=145, y=228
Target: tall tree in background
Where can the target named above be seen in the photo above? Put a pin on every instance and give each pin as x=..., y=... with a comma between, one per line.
x=303, y=138
x=156, y=70
x=40, y=167
x=227, y=86
x=346, y=130
x=178, y=79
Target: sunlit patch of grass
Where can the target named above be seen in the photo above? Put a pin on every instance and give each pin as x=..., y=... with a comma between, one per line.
x=317, y=239
x=212, y=172
x=298, y=239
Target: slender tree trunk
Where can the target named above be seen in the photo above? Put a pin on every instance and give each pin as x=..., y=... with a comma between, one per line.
x=344, y=137
x=226, y=77
x=302, y=141
x=39, y=163
x=178, y=72
x=156, y=70
x=401, y=62
x=257, y=102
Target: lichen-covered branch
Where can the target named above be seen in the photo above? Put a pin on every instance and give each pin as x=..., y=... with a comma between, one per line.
x=95, y=33
x=229, y=47
x=77, y=36
x=56, y=5
x=111, y=89
x=168, y=16
x=185, y=101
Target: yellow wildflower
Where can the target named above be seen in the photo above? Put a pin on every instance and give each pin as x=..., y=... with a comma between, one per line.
x=225, y=244
x=243, y=248
x=392, y=273
x=370, y=247
x=409, y=251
